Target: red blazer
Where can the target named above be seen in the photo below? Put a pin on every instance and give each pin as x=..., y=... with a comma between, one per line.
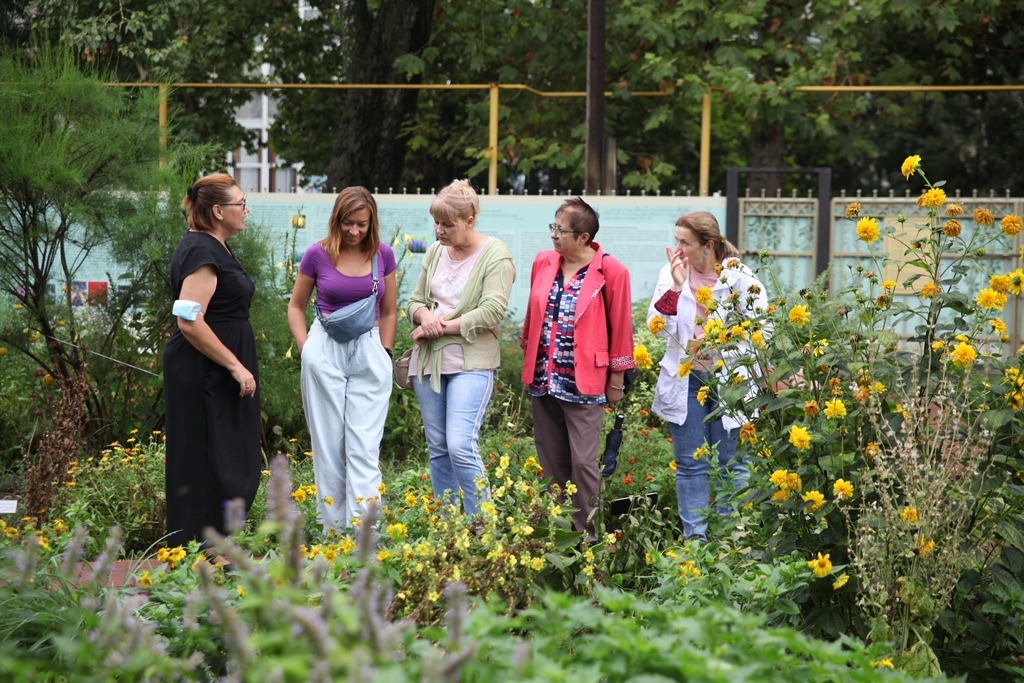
x=605, y=293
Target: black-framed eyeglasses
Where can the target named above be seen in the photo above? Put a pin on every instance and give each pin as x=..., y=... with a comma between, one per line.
x=241, y=204
x=555, y=230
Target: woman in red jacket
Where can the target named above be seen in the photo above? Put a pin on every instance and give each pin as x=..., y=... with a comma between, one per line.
x=578, y=343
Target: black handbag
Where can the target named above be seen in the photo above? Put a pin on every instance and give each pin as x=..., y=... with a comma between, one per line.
x=354, y=320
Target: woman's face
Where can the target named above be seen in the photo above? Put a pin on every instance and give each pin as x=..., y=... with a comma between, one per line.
x=235, y=211
x=688, y=245
x=454, y=234
x=563, y=239
x=354, y=227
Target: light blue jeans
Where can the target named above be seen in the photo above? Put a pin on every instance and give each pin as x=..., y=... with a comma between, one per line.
x=451, y=421
x=693, y=477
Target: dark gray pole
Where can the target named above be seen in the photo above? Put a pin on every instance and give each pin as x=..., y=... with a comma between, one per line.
x=595, y=95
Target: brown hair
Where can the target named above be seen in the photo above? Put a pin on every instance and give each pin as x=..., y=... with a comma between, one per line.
x=704, y=226
x=350, y=200
x=580, y=216
x=204, y=194
x=457, y=199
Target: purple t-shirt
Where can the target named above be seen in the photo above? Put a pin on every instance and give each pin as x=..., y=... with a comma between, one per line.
x=334, y=289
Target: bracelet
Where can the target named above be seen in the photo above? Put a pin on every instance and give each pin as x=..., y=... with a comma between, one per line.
x=622, y=388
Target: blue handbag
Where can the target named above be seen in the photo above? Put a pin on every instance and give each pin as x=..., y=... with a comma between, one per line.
x=354, y=320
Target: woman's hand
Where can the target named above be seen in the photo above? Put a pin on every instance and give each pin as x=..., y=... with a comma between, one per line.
x=613, y=395
x=679, y=266
x=245, y=380
x=431, y=326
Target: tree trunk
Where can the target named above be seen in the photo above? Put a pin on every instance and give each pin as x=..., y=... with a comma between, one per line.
x=767, y=149
x=369, y=148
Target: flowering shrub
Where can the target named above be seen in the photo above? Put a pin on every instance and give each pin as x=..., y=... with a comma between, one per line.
x=889, y=412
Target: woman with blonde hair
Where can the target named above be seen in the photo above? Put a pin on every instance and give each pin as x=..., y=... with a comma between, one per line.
x=458, y=304
x=703, y=264
x=346, y=376
x=211, y=382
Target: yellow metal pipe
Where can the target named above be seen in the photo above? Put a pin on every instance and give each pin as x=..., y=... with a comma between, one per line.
x=906, y=88
x=705, y=144
x=492, y=142
x=163, y=122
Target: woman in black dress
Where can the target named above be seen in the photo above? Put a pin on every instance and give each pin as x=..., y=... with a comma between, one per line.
x=210, y=376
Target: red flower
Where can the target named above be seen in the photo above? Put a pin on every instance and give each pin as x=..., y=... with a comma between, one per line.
x=649, y=478
x=627, y=480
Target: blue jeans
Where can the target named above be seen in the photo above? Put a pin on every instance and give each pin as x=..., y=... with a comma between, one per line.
x=693, y=477
x=451, y=421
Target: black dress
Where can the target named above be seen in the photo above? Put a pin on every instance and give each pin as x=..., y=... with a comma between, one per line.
x=213, y=434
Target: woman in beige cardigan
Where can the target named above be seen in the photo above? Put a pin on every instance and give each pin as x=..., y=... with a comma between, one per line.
x=456, y=308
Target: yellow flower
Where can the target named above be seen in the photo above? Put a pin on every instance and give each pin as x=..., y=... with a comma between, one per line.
x=145, y=580
x=397, y=532
x=815, y=499
x=713, y=328
x=984, y=217
x=328, y=501
x=910, y=164
x=704, y=296
x=702, y=452
x=642, y=357
x=964, y=355
x=799, y=315
x=537, y=563
x=955, y=209
x=925, y=547
x=952, y=227
x=878, y=388
x=299, y=495
x=702, y=394
x=758, y=338
x=1010, y=224
x=929, y=290
x=932, y=199
x=852, y=209
x=998, y=325
x=821, y=565
x=867, y=230
x=780, y=495
x=842, y=489
x=571, y=488
x=381, y=488
x=383, y=555
x=685, y=368
x=799, y=437
x=748, y=433
x=884, y=661
x=840, y=582
x=835, y=408
x=1016, y=280
x=909, y=515
x=656, y=325
x=872, y=450
x=240, y=590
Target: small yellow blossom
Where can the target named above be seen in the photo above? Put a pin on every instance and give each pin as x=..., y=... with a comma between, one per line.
x=799, y=315
x=853, y=209
x=656, y=325
x=799, y=437
x=932, y=199
x=1011, y=224
x=642, y=357
x=964, y=355
x=910, y=165
x=872, y=450
x=842, y=489
x=685, y=368
x=867, y=230
x=925, y=547
x=909, y=515
x=884, y=661
x=702, y=394
x=821, y=565
x=888, y=284
x=835, y=408
x=815, y=500
x=930, y=290
x=704, y=297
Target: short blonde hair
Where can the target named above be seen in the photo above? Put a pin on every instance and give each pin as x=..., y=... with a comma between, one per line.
x=458, y=199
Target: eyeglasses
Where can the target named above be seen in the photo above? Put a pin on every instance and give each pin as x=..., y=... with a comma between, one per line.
x=557, y=231
x=241, y=204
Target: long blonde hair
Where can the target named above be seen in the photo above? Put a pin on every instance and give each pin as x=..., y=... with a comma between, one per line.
x=704, y=227
x=350, y=200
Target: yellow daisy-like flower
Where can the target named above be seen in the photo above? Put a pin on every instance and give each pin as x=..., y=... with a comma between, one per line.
x=799, y=315
x=1010, y=224
x=799, y=437
x=821, y=565
x=842, y=489
x=685, y=368
x=952, y=227
x=990, y=299
x=853, y=209
x=835, y=408
x=383, y=555
x=932, y=199
x=145, y=579
x=910, y=164
x=1001, y=282
x=909, y=515
x=964, y=355
x=748, y=433
x=704, y=296
x=642, y=357
x=872, y=450
x=884, y=661
x=299, y=495
x=888, y=284
x=713, y=328
x=1016, y=280
x=758, y=338
x=955, y=209
x=656, y=325
x=815, y=500
x=998, y=326
x=930, y=290
x=702, y=452
x=867, y=230
x=840, y=582
x=983, y=217
x=702, y=395
x=781, y=494
x=925, y=547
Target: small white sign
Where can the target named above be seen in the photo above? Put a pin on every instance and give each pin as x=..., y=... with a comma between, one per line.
x=8, y=507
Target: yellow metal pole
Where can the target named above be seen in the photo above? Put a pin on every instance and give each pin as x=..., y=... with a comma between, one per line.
x=705, y=144
x=163, y=121
x=492, y=143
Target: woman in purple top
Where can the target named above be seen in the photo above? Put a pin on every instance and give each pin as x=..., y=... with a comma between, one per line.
x=346, y=386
